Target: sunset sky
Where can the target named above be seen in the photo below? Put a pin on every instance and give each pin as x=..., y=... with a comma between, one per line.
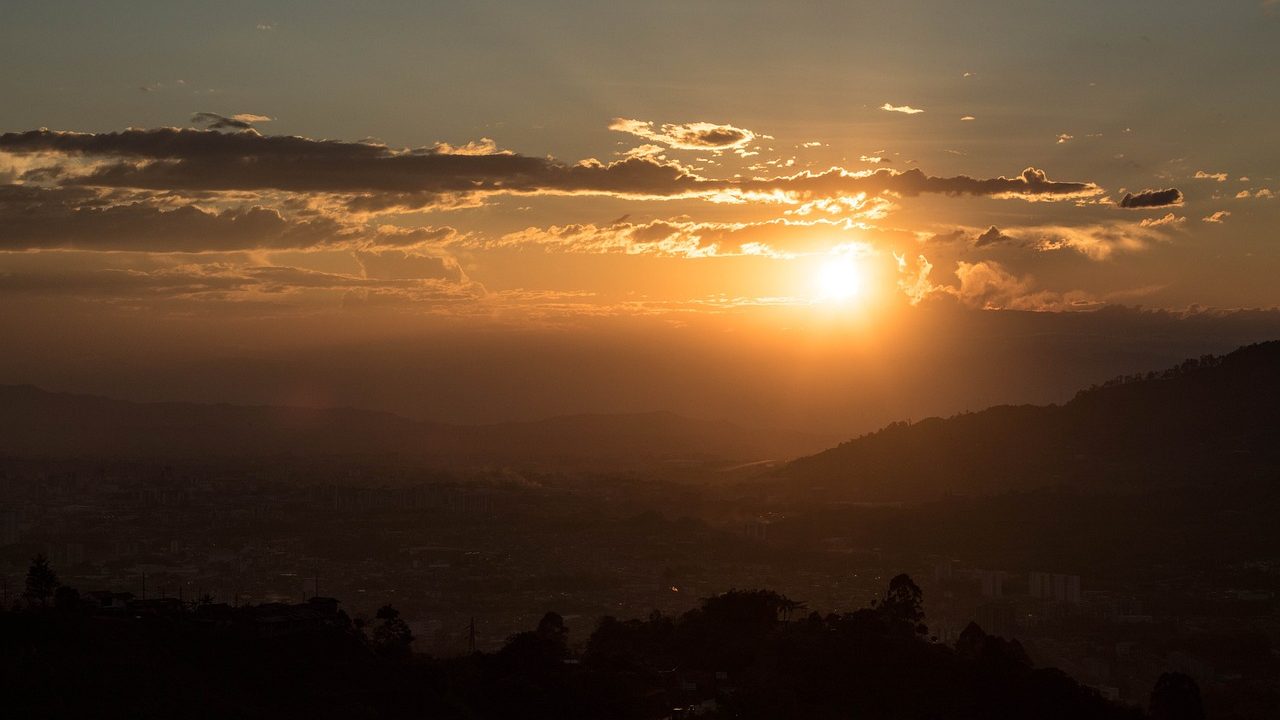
x=824, y=215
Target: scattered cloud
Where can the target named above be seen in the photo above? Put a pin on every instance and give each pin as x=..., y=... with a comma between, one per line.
x=913, y=278
x=985, y=285
x=860, y=206
x=1217, y=217
x=945, y=237
x=687, y=136
x=397, y=264
x=905, y=109
x=988, y=285
x=1064, y=138
x=967, y=118
x=782, y=238
x=1219, y=176
x=1168, y=220
x=483, y=146
x=1098, y=241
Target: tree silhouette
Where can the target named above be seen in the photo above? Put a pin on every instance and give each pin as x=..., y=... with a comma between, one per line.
x=904, y=601
x=1176, y=697
x=41, y=581
x=541, y=648
x=392, y=637
x=551, y=627
x=734, y=652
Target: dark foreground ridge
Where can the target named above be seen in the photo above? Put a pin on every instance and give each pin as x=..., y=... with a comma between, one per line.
x=742, y=654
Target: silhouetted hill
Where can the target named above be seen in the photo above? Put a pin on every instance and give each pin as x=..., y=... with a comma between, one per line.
x=37, y=423
x=1212, y=420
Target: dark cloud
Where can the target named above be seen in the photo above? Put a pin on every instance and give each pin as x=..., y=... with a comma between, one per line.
x=182, y=159
x=33, y=218
x=1030, y=183
x=1152, y=199
x=214, y=121
x=991, y=236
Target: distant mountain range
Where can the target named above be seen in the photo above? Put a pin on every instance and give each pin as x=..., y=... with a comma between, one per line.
x=1209, y=420
x=1213, y=420
x=37, y=423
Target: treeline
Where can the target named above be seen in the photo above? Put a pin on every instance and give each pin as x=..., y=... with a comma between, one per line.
x=1182, y=369
x=742, y=654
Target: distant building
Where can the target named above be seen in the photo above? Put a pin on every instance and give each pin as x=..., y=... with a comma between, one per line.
x=992, y=582
x=1055, y=586
x=945, y=570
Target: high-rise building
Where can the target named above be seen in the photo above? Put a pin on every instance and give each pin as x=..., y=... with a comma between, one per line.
x=1055, y=586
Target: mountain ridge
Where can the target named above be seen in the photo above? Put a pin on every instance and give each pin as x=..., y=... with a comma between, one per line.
x=1204, y=420
x=39, y=423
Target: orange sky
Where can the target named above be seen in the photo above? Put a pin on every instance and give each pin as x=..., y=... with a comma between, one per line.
x=577, y=171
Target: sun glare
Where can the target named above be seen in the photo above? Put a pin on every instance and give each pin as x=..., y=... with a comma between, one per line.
x=839, y=279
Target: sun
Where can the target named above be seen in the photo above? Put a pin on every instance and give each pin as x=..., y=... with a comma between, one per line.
x=839, y=279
